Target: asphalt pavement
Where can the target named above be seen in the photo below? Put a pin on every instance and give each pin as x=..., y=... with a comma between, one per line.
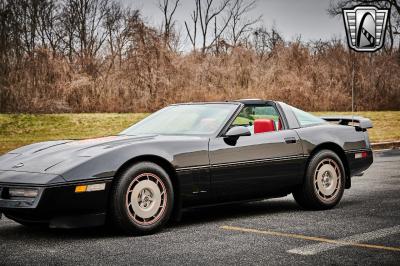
x=364, y=229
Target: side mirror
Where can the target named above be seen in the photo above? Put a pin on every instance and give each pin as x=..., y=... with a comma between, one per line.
x=237, y=132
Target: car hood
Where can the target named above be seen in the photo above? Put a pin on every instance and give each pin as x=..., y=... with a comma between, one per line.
x=41, y=157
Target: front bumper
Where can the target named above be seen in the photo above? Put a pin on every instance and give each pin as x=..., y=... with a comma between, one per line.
x=57, y=205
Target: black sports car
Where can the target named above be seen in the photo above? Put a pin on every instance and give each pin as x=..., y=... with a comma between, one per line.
x=182, y=156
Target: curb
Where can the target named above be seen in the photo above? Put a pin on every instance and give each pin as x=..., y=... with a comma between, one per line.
x=385, y=145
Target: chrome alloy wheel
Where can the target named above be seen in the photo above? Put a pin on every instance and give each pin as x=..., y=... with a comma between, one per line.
x=327, y=180
x=146, y=199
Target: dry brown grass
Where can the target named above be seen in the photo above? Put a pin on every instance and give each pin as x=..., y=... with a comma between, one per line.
x=150, y=77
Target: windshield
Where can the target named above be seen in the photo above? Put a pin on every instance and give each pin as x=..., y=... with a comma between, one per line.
x=186, y=119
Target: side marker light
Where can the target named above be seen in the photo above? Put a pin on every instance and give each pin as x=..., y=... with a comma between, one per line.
x=90, y=188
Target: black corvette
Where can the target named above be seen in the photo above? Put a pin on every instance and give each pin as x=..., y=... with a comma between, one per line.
x=183, y=156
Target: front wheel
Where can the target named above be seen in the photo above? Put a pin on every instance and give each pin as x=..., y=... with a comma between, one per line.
x=142, y=199
x=324, y=182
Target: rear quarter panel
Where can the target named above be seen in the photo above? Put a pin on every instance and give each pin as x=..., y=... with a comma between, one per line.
x=346, y=137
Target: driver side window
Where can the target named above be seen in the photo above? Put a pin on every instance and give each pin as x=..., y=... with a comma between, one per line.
x=263, y=113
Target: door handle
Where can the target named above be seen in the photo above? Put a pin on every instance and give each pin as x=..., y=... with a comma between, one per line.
x=290, y=140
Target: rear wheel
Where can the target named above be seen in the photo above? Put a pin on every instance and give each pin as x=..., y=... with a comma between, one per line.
x=142, y=199
x=324, y=182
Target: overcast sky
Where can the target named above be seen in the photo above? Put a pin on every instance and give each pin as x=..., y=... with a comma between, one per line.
x=293, y=18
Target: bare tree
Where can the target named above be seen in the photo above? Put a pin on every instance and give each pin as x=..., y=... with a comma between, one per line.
x=25, y=22
x=266, y=41
x=7, y=42
x=195, y=18
x=84, y=19
x=112, y=25
x=22, y=33
x=240, y=24
x=69, y=22
x=206, y=14
x=26, y=26
x=168, y=9
x=50, y=26
x=120, y=24
x=209, y=12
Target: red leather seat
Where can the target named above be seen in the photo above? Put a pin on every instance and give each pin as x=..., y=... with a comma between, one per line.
x=279, y=124
x=263, y=125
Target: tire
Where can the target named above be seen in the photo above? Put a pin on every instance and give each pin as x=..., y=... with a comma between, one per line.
x=141, y=199
x=324, y=182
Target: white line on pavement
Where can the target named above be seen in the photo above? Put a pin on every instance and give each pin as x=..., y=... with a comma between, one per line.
x=347, y=241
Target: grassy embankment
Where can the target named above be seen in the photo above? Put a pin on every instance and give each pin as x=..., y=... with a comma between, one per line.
x=19, y=130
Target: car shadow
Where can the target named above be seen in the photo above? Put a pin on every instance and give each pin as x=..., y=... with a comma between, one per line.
x=12, y=231
x=210, y=214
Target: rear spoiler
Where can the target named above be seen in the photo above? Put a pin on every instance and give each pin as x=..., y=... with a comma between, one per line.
x=358, y=121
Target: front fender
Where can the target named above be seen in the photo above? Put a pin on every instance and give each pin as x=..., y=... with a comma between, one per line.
x=104, y=165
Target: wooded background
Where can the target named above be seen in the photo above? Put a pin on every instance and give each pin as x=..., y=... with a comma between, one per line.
x=98, y=56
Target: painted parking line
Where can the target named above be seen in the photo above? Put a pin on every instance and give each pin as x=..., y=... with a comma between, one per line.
x=327, y=244
x=353, y=240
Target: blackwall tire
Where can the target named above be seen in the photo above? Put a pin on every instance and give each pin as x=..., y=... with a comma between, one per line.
x=324, y=182
x=141, y=199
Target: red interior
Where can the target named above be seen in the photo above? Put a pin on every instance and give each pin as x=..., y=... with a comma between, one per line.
x=279, y=124
x=263, y=125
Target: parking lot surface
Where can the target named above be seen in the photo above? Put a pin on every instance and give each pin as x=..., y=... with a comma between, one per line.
x=364, y=229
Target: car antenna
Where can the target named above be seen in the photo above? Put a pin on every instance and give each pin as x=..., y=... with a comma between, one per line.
x=352, y=91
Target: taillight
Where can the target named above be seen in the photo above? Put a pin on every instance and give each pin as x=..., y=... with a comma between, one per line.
x=361, y=155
